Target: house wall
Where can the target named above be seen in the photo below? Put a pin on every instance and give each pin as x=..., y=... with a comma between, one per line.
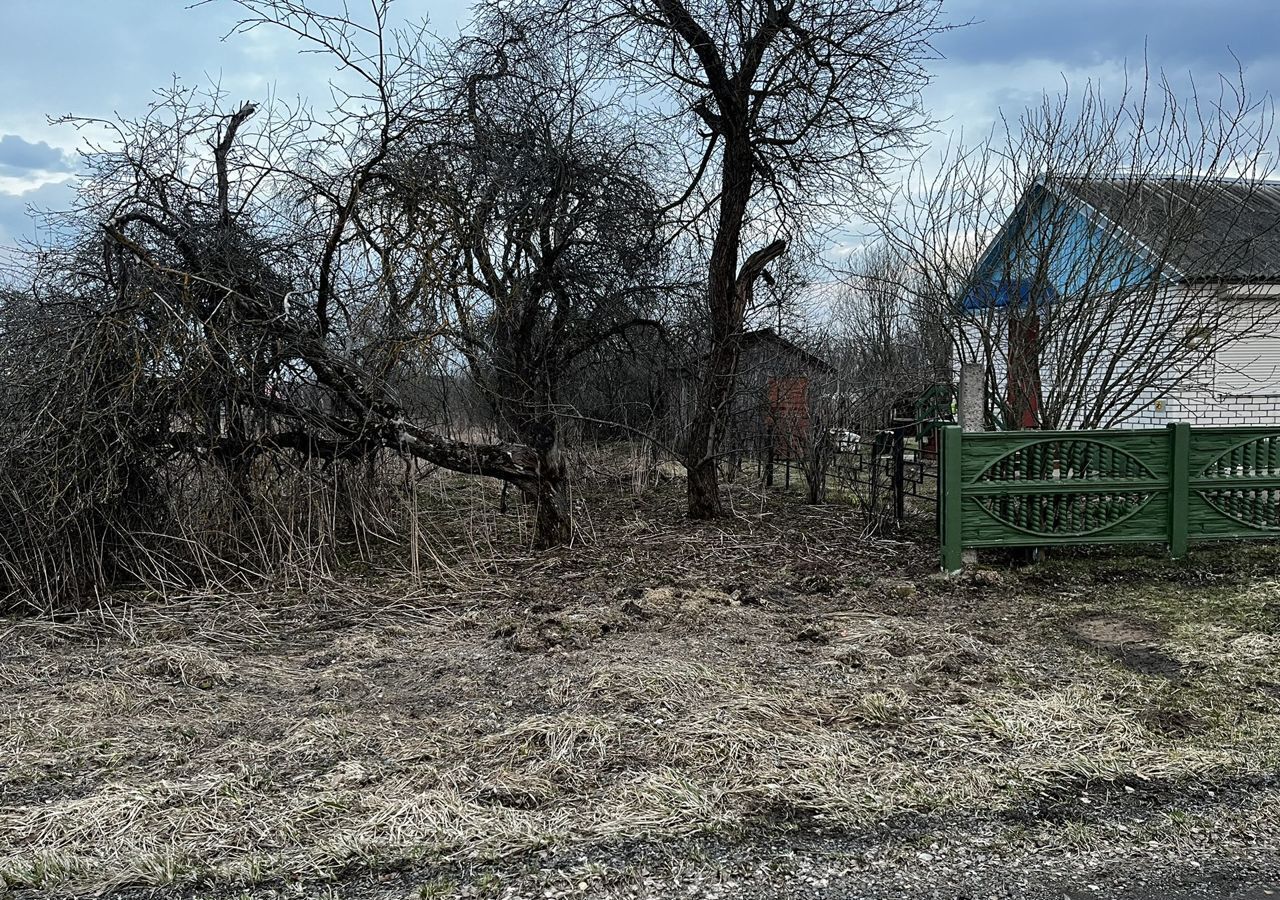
x=1201, y=407
x=1242, y=389
x=1237, y=387
x=1054, y=250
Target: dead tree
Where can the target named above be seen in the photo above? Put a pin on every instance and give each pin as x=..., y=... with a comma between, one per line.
x=785, y=109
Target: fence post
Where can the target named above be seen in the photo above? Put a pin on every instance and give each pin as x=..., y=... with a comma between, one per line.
x=971, y=415
x=1179, y=487
x=952, y=552
x=971, y=401
x=899, y=474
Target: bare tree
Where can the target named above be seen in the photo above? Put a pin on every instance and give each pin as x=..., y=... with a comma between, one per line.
x=886, y=344
x=246, y=285
x=1090, y=252
x=886, y=359
x=548, y=229
x=778, y=111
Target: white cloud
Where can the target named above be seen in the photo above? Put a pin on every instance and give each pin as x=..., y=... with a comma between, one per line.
x=20, y=185
x=969, y=97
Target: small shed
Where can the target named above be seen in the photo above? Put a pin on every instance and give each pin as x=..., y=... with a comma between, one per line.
x=769, y=412
x=777, y=380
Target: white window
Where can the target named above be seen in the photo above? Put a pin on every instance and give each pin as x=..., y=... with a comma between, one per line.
x=1250, y=365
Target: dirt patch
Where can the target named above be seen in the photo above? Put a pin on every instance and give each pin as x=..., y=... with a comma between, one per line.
x=659, y=679
x=1134, y=644
x=1174, y=722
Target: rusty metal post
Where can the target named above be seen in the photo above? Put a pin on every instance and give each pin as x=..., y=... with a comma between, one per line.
x=899, y=474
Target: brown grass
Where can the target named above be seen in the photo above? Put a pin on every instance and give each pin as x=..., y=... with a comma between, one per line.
x=657, y=679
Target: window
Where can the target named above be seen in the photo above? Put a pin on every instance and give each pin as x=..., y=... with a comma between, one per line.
x=1250, y=365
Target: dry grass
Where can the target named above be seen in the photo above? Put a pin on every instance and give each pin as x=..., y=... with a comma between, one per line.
x=655, y=680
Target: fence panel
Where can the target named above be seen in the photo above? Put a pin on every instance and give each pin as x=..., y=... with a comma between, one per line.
x=1171, y=485
x=886, y=470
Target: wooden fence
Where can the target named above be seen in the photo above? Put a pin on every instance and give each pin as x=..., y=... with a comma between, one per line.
x=1168, y=485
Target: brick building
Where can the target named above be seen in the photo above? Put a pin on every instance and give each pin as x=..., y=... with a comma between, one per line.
x=1197, y=260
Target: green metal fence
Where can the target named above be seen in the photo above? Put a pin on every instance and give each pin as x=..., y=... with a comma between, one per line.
x=1168, y=485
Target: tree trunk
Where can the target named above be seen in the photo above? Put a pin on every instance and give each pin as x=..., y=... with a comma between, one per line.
x=553, y=524
x=530, y=414
x=704, y=489
x=816, y=480
x=728, y=297
x=708, y=424
x=725, y=325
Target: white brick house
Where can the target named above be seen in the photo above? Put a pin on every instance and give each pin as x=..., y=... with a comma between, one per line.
x=1131, y=302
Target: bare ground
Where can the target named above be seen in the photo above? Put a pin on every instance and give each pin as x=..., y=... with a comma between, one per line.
x=774, y=705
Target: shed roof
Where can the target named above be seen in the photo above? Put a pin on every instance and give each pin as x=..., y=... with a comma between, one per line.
x=769, y=336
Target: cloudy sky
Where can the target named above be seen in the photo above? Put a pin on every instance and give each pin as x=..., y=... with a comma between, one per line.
x=93, y=58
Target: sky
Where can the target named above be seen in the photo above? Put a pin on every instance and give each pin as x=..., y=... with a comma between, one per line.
x=95, y=58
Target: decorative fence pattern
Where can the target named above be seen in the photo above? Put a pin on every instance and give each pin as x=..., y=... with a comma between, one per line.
x=1170, y=485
